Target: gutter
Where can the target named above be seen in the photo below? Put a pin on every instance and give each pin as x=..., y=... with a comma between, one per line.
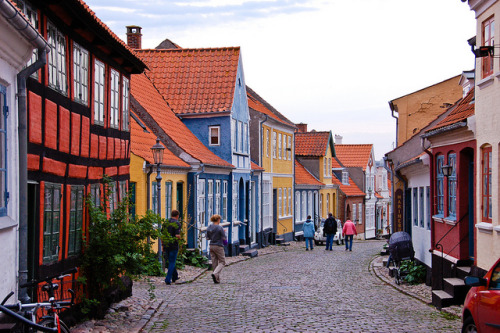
x=21, y=24
x=262, y=181
x=444, y=129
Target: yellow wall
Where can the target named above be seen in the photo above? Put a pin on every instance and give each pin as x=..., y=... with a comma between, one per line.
x=285, y=217
x=139, y=176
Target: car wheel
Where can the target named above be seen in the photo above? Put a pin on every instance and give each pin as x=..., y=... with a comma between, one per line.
x=469, y=326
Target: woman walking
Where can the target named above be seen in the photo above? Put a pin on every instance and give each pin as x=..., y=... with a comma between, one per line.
x=349, y=231
x=217, y=237
x=308, y=232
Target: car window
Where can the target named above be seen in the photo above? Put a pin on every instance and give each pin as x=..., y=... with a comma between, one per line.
x=495, y=278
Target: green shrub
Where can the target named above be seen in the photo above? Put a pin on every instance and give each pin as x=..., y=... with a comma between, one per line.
x=416, y=273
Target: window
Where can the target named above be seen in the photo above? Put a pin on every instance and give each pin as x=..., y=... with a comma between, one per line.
x=32, y=15
x=114, y=116
x=280, y=213
x=279, y=146
x=168, y=199
x=123, y=189
x=240, y=136
x=75, y=220
x=201, y=201
x=214, y=134
x=274, y=144
x=321, y=205
x=440, y=185
x=428, y=206
x=95, y=194
x=421, y=215
x=154, y=197
x=354, y=212
x=80, y=73
x=486, y=204
x=304, y=206
x=289, y=201
x=327, y=203
x=324, y=166
x=3, y=151
x=290, y=148
x=415, y=206
x=99, y=79
x=235, y=201
x=297, y=206
x=210, y=198
x=284, y=146
x=310, y=204
x=488, y=40
x=360, y=213
x=345, y=177
x=217, y=197
x=51, y=222
x=233, y=133
x=57, y=59
x=266, y=204
x=113, y=197
x=452, y=186
x=224, y=200
x=245, y=137
x=125, y=104
x=268, y=143
x=329, y=167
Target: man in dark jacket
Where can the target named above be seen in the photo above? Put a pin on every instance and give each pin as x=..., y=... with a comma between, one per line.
x=330, y=229
x=171, y=248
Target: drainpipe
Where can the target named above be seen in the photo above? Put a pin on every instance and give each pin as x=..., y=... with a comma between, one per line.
x=21, y=24
x=386, y=160
x=261, y=182
x=431, y=173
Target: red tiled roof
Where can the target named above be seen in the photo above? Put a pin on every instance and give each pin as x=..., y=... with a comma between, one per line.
x=258, y=104
x=255, y=166
x=143, y=90
x=194, y=81
x=354, y=155
x=463, y=109
x=304, y=177
x=351, y=190
x=141, y=143
x=311, y=143
x=336, y=164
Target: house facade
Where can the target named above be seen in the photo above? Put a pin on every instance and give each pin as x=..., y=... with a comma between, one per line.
x=307, y=187
x=383, y=214
x=78, y=130
x=487, y=99
x=360, y=161
x=272, y=147
x=18, y=39
x=315, y=150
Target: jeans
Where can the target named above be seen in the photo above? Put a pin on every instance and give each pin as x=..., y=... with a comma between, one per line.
x=329, y=241
x=171, y=256
x=348, y=242
x=309, y=241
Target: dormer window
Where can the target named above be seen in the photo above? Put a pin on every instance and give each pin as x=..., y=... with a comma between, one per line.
x=345, y=177
x=214, y=132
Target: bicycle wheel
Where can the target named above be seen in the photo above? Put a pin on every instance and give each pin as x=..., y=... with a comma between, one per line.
x=50, y=323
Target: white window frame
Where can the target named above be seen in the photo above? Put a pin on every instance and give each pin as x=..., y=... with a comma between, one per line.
x=240, y=136
x=304, y=205
x=114, y=95
x=280, y=212
x=297, y=206
x=274, y=143
x=57, y=59
x=210, y=197
x=217, y=197
x=266, y=203
x=354, y=213
x=245, y=137
x=80, y=74
x=210, y=136
x=268, y=142
x=125, y=103
x=233, y=134
x=284, y=147
x=235, y=201
x=224, y=200
x=99, y=91
x=360, y=213
x=201, y=216
x=289, y=201
x=290, y=148
x=279, y=146
x=310, y=203
x=345, y=177
x=3, y=151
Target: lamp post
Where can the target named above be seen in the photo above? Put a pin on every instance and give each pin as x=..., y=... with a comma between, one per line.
x=157, y=150
x=447, y=170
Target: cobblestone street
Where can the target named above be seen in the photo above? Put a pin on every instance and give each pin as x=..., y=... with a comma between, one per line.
x=291, y=291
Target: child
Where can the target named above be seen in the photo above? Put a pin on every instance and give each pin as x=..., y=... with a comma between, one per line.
x=309, y=232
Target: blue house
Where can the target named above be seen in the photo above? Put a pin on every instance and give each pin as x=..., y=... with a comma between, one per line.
x=206, y=90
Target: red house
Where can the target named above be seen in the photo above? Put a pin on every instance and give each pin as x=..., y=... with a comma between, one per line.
x=77, y=129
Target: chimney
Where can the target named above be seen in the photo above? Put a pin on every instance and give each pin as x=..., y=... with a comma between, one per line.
x=134, y=37
x=338, y=139
x=302, y=127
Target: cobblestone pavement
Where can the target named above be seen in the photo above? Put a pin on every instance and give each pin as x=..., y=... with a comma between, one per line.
x=290, y=290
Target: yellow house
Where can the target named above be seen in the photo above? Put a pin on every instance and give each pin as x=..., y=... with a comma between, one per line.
x=272, y=138
x=143, y=175
x=315, y=151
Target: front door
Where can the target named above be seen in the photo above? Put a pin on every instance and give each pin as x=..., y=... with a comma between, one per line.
x=180, y=196
x=275, y=211
x=471, y=209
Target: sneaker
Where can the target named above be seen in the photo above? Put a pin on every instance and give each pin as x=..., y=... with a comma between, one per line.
x=331, y=250
x=167, y=283
x=307, y=249
x=215, y=279
x=350, y=250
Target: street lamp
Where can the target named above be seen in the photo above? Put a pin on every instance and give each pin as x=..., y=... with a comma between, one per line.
x=447, y=170
x=157, y=150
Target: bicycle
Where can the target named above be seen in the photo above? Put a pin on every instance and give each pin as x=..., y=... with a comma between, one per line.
x=27, y=313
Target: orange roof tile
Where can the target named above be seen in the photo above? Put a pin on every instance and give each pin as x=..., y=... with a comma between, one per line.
x=257, y=167
x=462, y=110
x=194, y=81
x=258, y=104
x=143, y=90
x=336, y=164
x=312, y=143
x=354, y=155
x=141, y=143
x=351, y=190
x=304, y=177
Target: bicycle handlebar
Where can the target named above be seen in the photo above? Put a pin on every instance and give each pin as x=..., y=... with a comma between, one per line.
x=59, y=276
x=26, y=321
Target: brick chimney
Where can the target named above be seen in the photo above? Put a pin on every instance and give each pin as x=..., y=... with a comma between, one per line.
x=134, y=36
x=338, y=139
x=302, y=127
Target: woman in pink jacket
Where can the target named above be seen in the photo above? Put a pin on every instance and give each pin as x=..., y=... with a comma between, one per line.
x=349, y=231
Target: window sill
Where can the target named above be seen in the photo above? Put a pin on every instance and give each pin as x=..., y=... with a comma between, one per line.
x=497, y=228
x=299, y=222
x=485, y=227
x=6, y=222
x=438, y=218
x=450, y=221
x=485, y=82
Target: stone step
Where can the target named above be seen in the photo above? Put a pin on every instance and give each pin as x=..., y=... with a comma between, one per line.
x=7, y=327
x=441, y=299
x=244, y=248
x=457, y=288
x=251, y=253
x=463, y=271
x=384, y=252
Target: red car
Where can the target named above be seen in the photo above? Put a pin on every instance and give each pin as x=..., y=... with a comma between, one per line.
x=481, y=312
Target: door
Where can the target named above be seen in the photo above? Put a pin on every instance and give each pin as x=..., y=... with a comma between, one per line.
x=33, y=212
x=180, y=199
x=253, y=214
x=471, y=209
x=275, y=211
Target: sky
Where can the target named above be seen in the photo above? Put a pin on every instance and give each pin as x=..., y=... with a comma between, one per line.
x=332, y=64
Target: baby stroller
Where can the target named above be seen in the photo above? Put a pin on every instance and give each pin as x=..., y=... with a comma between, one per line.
x=400, y=249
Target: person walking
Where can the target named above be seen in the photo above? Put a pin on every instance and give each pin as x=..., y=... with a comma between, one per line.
x=308, y=232
x=330, y=229
x=217, y=237
x=171, y=247
x=349, y=231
